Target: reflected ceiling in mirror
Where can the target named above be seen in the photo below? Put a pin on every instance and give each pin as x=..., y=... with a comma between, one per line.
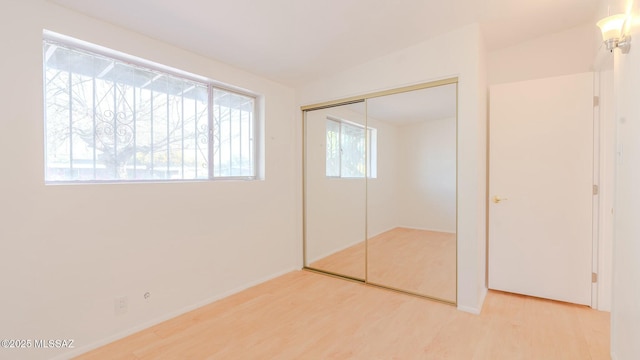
x=413, y=106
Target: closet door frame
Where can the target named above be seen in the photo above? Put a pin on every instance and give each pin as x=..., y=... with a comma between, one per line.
x=352, y=100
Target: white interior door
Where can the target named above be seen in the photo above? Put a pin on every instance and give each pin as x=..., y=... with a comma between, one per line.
x=541, y=170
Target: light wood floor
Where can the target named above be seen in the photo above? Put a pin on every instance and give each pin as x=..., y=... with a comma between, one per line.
x=418, y=261
x=303, y=315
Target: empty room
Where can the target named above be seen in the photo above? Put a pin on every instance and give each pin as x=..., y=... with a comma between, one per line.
x=296, y=179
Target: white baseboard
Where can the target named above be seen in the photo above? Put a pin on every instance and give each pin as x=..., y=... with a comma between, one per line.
x=383, y=231
x=412, y=228
x=476, y=310
x=425, y=229
x=370, y=236
x=168, y=316
x=322, y=256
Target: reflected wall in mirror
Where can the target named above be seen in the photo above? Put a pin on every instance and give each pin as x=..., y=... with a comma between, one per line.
x=335, y=190
x=411, y=224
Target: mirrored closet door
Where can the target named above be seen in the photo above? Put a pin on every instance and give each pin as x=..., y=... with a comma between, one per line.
x=380, y=189
x=411, y=203
x=335, y=190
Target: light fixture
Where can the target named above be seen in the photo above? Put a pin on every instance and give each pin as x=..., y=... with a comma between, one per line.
x=613, y=32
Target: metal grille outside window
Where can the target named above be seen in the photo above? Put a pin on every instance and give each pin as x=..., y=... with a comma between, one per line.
x=109, y=120
x=348, y=151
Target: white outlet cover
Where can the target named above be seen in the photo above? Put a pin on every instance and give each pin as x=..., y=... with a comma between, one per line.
x=120, y=305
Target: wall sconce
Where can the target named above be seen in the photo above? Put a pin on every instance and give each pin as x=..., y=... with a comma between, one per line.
x=613, y=32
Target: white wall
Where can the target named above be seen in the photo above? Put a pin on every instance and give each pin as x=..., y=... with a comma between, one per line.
x=564, y=53
x=459, y=53
x=625, y=312
x=382, y=192
x=605, y=176
x=427, y=175
x=69, y=250
x=482, y=173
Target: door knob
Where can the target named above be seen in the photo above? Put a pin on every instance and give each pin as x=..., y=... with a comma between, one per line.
x=497, y=199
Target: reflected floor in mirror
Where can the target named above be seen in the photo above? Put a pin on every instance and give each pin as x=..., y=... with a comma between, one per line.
x=418, y=261
x=348, y=262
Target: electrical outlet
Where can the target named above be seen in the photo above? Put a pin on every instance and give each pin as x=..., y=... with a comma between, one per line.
x=121, y=304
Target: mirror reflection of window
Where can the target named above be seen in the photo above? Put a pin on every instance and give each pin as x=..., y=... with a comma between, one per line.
x=333, y=148
x=349, y=154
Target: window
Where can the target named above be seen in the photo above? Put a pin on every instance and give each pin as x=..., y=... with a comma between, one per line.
x=346, y=156
x=113, y=120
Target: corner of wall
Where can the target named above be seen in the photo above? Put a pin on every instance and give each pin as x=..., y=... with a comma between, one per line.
x=483, y=169
x=476, y=310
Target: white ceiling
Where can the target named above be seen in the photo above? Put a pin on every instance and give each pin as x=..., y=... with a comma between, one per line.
x=296, y=41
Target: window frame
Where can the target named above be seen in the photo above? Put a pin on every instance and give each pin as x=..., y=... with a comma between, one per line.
x=371, y=145
x=256, y=120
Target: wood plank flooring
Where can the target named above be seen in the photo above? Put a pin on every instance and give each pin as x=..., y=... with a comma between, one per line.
x=303, y=315
x=418, y=261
